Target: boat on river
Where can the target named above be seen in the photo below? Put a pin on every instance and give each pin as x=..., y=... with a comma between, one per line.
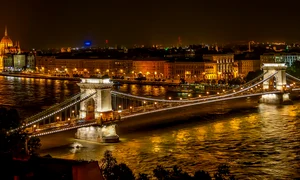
x=110, y=139
x=180, y=89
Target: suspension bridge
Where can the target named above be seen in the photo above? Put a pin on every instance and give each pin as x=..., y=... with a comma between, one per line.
x=98, y=105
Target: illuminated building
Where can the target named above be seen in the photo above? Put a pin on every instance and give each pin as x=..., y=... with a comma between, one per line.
x=6, y=48
x=287, y=58
x=225, y=64
x=83, y=66
x=246, y=66
x=191, y=71
x=151, y=68
x=128, y=69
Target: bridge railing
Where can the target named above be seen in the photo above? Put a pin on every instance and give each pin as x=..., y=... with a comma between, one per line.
x=54, y=107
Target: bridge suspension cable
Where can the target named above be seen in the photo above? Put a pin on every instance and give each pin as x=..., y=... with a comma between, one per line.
x=293, y=77
x=237, y=88
x=199, y=103
x=50, y=109
x=59, y=110
x=191, y=100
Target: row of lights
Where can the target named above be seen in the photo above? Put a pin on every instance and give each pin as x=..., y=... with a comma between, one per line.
x=64, y=129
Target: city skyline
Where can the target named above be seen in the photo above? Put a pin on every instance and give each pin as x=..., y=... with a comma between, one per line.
x=61, y=24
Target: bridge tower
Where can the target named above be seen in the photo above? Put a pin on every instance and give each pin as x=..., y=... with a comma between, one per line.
x=276, y=83
x=280, y=77
x=99, y=105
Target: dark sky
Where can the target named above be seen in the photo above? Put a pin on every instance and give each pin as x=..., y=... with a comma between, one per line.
x=57, y=23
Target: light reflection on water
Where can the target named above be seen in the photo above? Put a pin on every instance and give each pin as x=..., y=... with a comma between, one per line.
x=262, y=145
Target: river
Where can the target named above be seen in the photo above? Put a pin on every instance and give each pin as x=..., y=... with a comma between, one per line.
x=257, y=144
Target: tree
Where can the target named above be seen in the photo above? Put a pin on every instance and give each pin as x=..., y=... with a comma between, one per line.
x=112, y=170
x=108, y=163
x=223, y=173
x=253, y=74
x=33, y=145
x=143, y=176
x=203, y=175
x=17, y=142
x=9, y=119
x=294, y=70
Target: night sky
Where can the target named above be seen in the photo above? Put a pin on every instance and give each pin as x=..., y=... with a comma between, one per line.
x=57, y=23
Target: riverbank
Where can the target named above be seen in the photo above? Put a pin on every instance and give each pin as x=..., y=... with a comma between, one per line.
x=199, y=88
x=144, y=82
x=116, y=81
x=39, y=76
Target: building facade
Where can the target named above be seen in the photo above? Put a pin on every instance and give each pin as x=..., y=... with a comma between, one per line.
x=154, y=68
x=82, y=67
x=218, y=68
x=226, y=67
x=9, y=59
x=246, y=66
x=287, y=58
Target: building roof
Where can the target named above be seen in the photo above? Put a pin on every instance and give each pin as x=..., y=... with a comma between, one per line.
x=6, y=41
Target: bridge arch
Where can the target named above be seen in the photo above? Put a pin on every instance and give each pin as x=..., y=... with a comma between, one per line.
x=90, y=109
x=279, y=69
x=99, y=105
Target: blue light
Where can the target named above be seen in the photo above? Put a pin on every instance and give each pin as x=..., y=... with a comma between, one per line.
x=87, y=43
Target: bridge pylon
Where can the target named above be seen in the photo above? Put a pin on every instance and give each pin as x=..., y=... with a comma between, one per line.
x=280, y=77
x=276, y=83
x=98, y=106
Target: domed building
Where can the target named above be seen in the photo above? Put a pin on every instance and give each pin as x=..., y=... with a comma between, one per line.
x=7, y=49
x=6, y=41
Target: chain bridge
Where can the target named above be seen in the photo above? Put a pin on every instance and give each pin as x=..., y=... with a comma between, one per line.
x=99, y=106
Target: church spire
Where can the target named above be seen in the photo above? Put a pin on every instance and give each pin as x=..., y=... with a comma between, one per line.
x=5, y=33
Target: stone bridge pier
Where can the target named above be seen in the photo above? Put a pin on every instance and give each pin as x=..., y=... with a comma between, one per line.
x=277, y=82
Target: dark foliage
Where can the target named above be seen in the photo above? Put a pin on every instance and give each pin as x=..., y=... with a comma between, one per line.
x=251, y=75
x=113, y=171
x=18, y=142
x=294, y=70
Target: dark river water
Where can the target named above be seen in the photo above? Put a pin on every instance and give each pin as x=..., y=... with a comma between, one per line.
x=257, y=144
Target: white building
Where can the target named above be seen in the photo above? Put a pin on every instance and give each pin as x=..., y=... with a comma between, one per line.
x=287, y=58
